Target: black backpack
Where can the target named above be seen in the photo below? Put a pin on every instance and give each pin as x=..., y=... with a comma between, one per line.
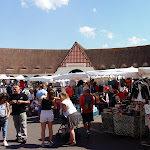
x=88, y=102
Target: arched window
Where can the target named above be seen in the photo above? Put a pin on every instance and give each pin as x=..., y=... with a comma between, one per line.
x=75, y=70
x=25, y=76
x=36, y=76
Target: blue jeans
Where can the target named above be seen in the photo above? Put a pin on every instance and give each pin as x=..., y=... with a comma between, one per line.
x=4, y=129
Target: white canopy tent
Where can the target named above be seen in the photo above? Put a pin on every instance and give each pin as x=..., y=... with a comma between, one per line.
x=126, y=72
x=42, y=79
x=4, y=77
x=20, y=77
x=123, y=72
x=71, y=76
x=144, y=71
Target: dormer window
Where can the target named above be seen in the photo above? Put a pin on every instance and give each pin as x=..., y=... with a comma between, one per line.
x=10, y=68
x=124, y=66
x=112, y=67
x=36, y=68
x=49, y=67
x=135, y=65
x=145, y=64
x=23, y=68
x=102, y=67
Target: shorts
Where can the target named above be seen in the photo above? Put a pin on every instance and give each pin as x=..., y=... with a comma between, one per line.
x=87, y=117
x=46, y=115
x=39, y=108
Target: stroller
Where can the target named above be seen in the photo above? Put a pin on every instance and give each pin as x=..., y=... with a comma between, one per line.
x=34, y=106
x=63, y=131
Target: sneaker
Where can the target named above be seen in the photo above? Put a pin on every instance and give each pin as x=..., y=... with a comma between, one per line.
x=17, y=139
x=23, y=141
x=50, y=143
x=43, y=145
x=5, y=143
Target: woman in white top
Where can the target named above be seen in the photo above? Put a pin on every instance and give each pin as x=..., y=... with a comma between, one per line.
x=72, y=116
x=4, y=114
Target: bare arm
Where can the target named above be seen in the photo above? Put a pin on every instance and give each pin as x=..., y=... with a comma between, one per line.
x=13, y=102
x=103, y=100
x=23, y=102
x=64, y=107
x=40, y=102
x=8, y=111
x=54, y=104
x=57, y=99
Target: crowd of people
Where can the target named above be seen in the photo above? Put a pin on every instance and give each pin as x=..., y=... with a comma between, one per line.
x=50, y=101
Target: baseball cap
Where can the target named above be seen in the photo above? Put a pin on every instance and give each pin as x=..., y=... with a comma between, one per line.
x=106, y=88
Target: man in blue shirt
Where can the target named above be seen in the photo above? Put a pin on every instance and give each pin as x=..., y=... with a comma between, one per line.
x=39, y=94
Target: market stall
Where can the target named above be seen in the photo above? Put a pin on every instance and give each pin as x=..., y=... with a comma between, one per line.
x=124, y=121
x=124, y=125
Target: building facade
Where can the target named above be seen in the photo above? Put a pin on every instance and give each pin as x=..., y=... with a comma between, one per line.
x=39, y=62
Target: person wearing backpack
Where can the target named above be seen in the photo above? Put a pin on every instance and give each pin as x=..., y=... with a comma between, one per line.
x=4, y=115
x=87, y=102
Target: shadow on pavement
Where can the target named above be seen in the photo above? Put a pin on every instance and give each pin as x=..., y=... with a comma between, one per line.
x=28, y=146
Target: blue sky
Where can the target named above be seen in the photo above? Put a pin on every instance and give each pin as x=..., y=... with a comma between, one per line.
x=57, y=24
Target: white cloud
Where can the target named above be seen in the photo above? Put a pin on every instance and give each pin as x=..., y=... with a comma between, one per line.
x=94, y=10
x=45, y=4
x=105, y=46
x=118, y=44
x=134, y=40
x=87, y=31
x=107, y=34
x=23, y=3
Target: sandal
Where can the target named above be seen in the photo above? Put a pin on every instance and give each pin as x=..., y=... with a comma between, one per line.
x=72, y=144
x=69, y=142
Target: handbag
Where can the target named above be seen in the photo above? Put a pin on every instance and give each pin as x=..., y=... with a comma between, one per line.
x=2, y=121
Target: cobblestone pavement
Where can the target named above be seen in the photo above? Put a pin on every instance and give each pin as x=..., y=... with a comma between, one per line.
x=98, y=140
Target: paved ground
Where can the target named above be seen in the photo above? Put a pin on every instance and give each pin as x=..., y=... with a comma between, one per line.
x=98, y=140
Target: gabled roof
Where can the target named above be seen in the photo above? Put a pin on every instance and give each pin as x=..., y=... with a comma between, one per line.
x=76, y=55
x=30, y=61
x=119, y=57
x=36, y=61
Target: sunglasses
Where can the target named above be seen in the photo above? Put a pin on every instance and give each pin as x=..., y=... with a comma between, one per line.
x=15, y=87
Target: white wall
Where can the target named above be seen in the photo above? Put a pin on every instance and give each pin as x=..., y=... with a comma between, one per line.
x=63, y=70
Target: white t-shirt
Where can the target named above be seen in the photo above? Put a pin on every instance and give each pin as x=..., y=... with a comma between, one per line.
x=70, y=109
